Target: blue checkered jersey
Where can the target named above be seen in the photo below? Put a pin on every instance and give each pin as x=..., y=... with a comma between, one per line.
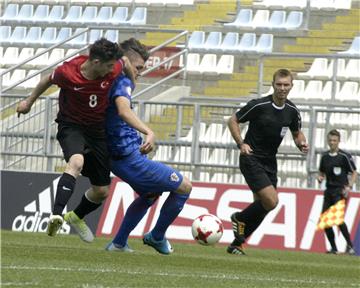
x=122, y=139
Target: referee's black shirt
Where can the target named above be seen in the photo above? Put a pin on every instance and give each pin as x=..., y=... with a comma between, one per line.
x=268, y=124
x=336, y=167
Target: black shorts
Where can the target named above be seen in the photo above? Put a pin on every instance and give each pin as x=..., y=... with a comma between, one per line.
x=331, y=196
x=75, y=139
x=258, y=172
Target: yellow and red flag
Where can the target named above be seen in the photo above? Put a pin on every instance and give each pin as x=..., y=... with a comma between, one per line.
x=332, y=216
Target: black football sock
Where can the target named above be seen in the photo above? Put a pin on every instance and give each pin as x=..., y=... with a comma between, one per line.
x=64, y=191
x=252, y=226
x=85, y=207
x=344, y=230
x=252, y=216
x=251, y=213
x=331, y=237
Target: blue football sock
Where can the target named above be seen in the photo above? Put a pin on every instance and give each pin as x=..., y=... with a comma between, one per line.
x=170, y=210
x=133, y=216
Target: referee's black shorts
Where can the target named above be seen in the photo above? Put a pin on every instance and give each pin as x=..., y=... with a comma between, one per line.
x=259, y=172
x=75, y=139
x=331, y=196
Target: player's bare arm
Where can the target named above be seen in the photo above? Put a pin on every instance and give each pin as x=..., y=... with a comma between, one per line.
x=24, y=106
x=235, y=130
x=128, y=115
x=321, y=177
x=300, y=141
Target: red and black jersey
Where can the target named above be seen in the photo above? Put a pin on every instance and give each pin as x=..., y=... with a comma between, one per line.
x=82, y=101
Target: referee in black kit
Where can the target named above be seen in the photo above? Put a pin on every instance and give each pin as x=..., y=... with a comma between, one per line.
x=269, y=119
x=335, y=166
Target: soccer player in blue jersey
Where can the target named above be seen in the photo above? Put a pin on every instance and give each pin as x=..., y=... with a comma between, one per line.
x=129, y=162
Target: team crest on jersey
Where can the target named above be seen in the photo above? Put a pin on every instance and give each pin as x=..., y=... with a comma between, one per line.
x=128, y=90
x=174, y=177
x=337, y=170
x=104, y=84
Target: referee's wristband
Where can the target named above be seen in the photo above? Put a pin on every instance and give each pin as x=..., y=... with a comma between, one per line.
x=239, y=145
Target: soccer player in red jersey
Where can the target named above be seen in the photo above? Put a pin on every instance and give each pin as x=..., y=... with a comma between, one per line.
x=84, y=84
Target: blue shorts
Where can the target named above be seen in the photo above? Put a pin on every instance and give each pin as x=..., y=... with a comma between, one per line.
x=146, y=176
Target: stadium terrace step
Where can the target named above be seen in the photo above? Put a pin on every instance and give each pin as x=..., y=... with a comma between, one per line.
x=332, y=34
x=182, y=27
x=245, y=77
x=341, y=27
x=228, y=92
x=319, y=42
x=306, y=49
x=236, y=84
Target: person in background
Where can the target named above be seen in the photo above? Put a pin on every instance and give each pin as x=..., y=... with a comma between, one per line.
x=335, y=167
x=269, y=120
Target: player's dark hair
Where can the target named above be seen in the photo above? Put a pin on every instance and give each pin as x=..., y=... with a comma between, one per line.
x=105, y=50
x=282, y=73
x=132, y=45
x=334, y=132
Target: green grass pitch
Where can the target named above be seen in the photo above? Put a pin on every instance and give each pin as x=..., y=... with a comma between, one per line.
x=36, y=260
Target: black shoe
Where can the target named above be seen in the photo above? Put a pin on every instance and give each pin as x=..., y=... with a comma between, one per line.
x=236, y=250
x=332, y=251
x=350, y=250
x=238, y=228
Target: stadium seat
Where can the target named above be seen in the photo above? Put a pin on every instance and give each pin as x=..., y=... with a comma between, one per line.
x=193, y=62
x=112, y=35
x=73, y=14
x=243, y=19
x=138, y=17
x=213, y=41
x=77, y=41
x=88, y=16
x=265, y=43
x=64, y=33
x=32, y=36
x=10, y=12
x=219, y=178
x=247, y=42
x=55, y=15
x=260, y=19
x=183, y=154
x=327, y=5
x=342, y=4
x=294, y=20
x=55, y=55
x=40, y=61
x=11, y=56
x=41, y=13
x=196, y=40
x=225, y=64
x=352, y=70
x=25, y=13
x=48, y=36
x=105, y=13
x=326, y=93
x=5, y=33
x=32, y=82
x=230, y=41
x=297, y=91
x=120, y=15
x=348, y=92
x=208, y=64
x=213, y=133
x=354, y=49
x=313, y=90
x=276, y=20
x=17, y=36
x=318, y=68
x=163, y=153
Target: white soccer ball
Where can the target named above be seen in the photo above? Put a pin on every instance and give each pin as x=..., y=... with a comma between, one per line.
x=207, y=229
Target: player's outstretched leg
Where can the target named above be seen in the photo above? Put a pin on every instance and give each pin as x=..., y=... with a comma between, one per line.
x=80, y=226
x=133, y=216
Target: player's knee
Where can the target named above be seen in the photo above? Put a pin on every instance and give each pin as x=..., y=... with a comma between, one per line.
x=76, y=163
x=101, y=192
x=185, y=186
x=270, y=203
